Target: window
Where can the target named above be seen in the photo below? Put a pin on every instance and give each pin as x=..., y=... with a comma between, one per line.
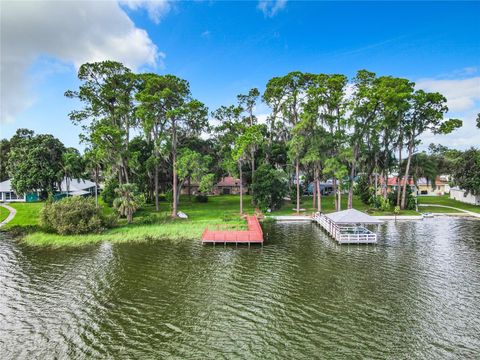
x=13, y=196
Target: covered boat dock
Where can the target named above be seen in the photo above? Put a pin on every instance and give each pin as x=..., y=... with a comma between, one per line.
x=348, y=226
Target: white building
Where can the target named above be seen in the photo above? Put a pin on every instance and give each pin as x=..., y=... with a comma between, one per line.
x=76, y=187
x=7, y=194
x=462, y=196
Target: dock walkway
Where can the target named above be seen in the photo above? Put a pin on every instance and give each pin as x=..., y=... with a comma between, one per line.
x=254, y=234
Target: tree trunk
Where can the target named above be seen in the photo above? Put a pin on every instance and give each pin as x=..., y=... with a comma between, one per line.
x=157, y=205
x=350, y=190
x=174, y=161
x=399, y=191
x=339, y=197
x=319, y=195
x=297, y=172
x=253, y=173
x=241, y=187
x=314, y=191
x=385, y=190
x=129, y=217
x=407, y=170
x=96, y=188
x=335, y=193
x=189, y=190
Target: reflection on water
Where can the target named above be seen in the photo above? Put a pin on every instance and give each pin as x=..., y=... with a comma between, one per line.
x=414, y=295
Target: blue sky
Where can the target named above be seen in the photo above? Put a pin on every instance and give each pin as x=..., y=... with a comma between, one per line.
x=225, y=48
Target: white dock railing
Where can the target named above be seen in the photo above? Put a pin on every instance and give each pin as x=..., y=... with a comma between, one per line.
x=346, y=234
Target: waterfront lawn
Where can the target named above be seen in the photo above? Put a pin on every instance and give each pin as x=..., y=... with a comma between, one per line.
x=149, y=224
x=328, y=206
x=28, y=214
x=446, y=201
x=438, y=210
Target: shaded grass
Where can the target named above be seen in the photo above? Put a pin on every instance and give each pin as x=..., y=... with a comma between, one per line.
x=445, y=200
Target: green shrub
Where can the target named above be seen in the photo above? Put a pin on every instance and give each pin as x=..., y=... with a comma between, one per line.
x=201, y=198
x=108, y=192
x=74, y=215
x=269, y=188
x=410, y=201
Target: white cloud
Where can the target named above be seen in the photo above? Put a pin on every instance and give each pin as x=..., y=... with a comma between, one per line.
x=206, y=34
x=270, y=8
x=156, y=9
x=463, y=100
x=72, y=32
x=461, y=94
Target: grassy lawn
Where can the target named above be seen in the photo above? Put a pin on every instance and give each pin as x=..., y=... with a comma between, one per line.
x=438, y=209
x=446, y=201
x=151, y=225
x=328, y=206
x=3, y=213
x=27, y=214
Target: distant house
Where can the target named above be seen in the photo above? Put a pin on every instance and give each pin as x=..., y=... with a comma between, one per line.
x=77, y=187
x=190, y=189
x=461, y=195
x=440, y=187
x=7, y=194
x=228, y=185
x=422, y=186
x=393, y=183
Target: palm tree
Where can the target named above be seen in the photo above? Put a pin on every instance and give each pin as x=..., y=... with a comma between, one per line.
x=127, y=202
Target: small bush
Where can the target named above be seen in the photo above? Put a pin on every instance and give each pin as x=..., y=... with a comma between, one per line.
x=74, y=215
x=108, y=192
x=201, y=198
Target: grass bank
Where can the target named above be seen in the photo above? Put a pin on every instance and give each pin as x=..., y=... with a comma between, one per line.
x=446, y=201
x=438, y=210
x=151, y=225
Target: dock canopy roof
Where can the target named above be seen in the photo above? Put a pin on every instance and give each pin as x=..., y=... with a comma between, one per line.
x=352, y=216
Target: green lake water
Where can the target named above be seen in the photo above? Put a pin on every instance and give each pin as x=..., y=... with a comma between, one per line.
x=414, y=295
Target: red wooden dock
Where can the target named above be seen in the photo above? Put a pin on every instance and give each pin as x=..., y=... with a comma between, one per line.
x=254, y=234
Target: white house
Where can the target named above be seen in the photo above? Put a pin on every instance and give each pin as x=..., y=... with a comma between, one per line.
x=461, y=195
x=7, y=194
x=76, y=187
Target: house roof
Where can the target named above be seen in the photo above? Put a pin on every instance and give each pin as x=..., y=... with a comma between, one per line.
x=6, y=186
x=229, y=181
x=77, y=184
x=393, y=181
x=352, y=216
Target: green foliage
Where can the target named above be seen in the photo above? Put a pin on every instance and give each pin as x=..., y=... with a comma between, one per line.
x=269, y=188
x=381, y=203
x=35, y=162
x=74, y=215
x=410, y=199
x=127, y=200
x=206, y=184
x=467, y=171
x=4, y=155
x=201, y=198
x=365, y=191
x=108, y=192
